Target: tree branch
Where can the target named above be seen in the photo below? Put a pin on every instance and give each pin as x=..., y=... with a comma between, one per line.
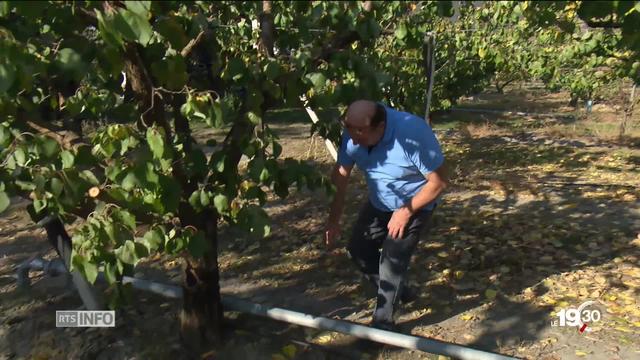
x=65, y=138
x=610, y=24
x=186, y=51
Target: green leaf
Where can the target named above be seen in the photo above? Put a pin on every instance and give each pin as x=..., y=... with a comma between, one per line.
x=21, y=156
x=277, y=149
x=130, y=181
x=83, y=266
x=71, y=63
x=4, y=8
x=50, y=147
x=110, y=273
x=401, y=31
x=4, y=201
x=155, y=140
x=255, y=220
x=272, y=70
x=108, y=31
x=235, y=70
x=445, y=8
x=216, y=118
x=141, y=8
x=264, y=175
x=153, y=239
x=39, y=204
x=318, y=80
x=56, y=186
x=127, y=218
x=7, y=76
x=171, y=71
x=132, y=26
x=254, y=118
x=25, y=185
x=171, y=192
x=89, y=177
x=67, y=159
x=217, y=161
x=5, y=135
x=198, y=245
x=171, y=30
x=127, y=253
x=221, y=202
x=90, y=272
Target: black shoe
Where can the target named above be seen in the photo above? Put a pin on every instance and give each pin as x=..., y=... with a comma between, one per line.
x=408, y=294
x=385, y=326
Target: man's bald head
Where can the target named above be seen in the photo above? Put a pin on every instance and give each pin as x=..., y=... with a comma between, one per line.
x=364, y=121
x=360, y=113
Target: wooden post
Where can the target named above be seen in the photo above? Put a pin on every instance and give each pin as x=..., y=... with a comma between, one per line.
x=428, y=58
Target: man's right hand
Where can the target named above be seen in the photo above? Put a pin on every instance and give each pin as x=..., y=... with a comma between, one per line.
x=331, y=234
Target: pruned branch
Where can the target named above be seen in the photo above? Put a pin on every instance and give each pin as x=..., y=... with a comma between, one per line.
x=610, y=24
x=65, y=138
x=186, y=51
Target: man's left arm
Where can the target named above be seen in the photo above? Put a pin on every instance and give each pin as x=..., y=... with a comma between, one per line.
x=436, y=183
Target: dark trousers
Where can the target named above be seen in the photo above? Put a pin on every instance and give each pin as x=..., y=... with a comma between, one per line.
x=383, y=260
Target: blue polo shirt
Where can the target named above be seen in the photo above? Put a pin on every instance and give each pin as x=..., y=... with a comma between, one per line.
x=397, y=166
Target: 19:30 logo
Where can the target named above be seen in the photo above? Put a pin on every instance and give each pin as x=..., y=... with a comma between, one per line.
x=580, y=317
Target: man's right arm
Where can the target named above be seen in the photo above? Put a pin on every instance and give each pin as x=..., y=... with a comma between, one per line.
x=340, y=179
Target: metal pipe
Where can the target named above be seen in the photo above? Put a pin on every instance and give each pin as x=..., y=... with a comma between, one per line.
x=54, y=267
x=169, y=291
x=509, y=112
x=293, y=317
x=317, y=322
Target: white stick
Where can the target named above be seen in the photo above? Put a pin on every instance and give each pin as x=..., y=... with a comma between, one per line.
x=315, y=119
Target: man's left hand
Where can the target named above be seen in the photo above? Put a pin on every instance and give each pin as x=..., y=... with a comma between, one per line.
x=398, y=222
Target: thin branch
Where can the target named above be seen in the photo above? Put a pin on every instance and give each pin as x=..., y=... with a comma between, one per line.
x=186, y=51
x=603, y=24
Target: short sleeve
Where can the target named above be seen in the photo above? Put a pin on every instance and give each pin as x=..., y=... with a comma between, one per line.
x=343, y=157
x=426, y=154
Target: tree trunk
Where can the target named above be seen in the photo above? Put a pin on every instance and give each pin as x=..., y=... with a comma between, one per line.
x=202, y=313
x=266, y=42
x=201, y=316
x=628, y=112
x=574, y=101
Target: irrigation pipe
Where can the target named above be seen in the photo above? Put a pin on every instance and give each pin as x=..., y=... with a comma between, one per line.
x=56, y=267
x=317, y=322
x=507, y=112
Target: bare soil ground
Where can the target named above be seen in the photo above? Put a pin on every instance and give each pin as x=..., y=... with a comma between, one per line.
x=534, y=222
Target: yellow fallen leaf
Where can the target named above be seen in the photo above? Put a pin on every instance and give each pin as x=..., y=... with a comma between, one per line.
x=490, y=294
x=623, y=329
x=466, y=317
x=549, y=300
x=324, y=339
x=289, y=350
x=581, y=353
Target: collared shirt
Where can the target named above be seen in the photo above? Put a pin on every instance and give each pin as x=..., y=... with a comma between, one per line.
x=397, y=166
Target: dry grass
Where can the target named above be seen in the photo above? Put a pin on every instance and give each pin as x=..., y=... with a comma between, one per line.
x=480, y=130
